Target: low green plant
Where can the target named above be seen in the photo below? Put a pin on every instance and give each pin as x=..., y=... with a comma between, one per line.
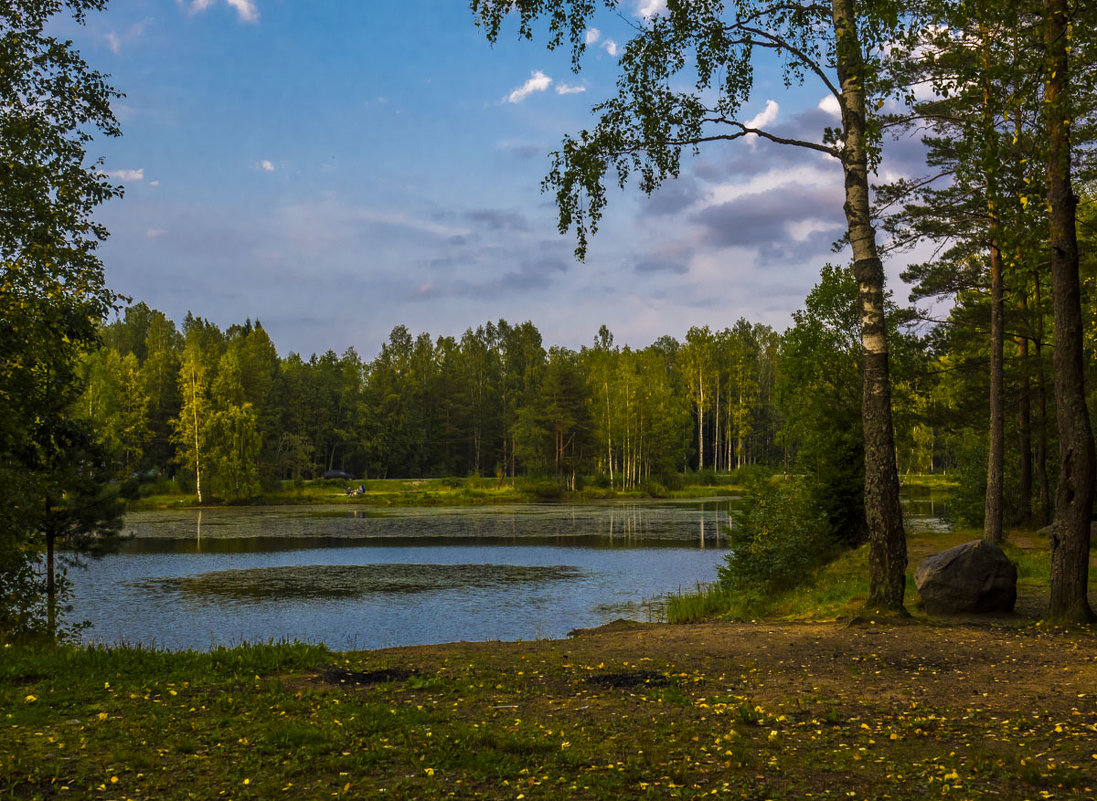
x=707, y=601
x=776, y=539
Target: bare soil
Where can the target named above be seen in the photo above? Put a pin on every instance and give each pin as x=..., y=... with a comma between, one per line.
x=844, y=709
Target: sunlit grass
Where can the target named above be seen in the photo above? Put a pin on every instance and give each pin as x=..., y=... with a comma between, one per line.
x=467, y=491
x=597, y=718
x=840, y=588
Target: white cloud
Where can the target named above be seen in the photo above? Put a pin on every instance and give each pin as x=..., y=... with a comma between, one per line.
x=593, y=34
x=649, y=8
x=126, y=175
x=155, y=233
x=800, y=230
x=266, y=166
x=829, y=104
x=246, y=10
x=764, y=117
x=761, y=120
x=611, y=47
x=538, y=82
x=133, y=32
x=759, y=184
x=567, y=89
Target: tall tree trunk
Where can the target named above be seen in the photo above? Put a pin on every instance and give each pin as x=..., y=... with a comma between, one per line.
x=700, y=420
x=716, y=427
x=1074, y=494
x=1024, y=429
x=609, y=435
x=994, y=501
x=1024, y=400
x=884, y=516
x=197, y=443
x=992, y=519
x=1043, y=516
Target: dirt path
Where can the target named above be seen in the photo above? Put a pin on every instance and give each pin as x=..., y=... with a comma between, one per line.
x=796, y=710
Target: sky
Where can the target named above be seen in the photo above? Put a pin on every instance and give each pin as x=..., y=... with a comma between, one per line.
x=335, y=168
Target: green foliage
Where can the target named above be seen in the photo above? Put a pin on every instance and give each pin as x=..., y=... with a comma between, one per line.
x=777, y=538
x=707, y=602
x=819, y=391
x=52, y=293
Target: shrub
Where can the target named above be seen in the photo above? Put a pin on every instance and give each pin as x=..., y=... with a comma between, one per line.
x=705, y=478
x=750, y=472
x=777, y=537
x=544, y=490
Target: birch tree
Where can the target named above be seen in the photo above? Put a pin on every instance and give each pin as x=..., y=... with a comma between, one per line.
x=189, y=428
x=646, y=127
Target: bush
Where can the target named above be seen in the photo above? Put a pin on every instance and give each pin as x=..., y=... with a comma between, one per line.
x=705, y=478
x=672, y=480
x=777, y=537
x=545, y=490
x=968, y=503
x=751, y=472
x=600, y=481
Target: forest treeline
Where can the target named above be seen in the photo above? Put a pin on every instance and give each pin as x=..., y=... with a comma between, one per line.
x=222, y=413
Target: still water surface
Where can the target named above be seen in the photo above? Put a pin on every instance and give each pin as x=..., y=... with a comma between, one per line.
x=367, y=578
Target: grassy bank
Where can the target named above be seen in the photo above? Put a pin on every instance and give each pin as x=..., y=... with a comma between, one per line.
x=480, y=490
x=444, y=492
x=783, y=711
x=840, y=588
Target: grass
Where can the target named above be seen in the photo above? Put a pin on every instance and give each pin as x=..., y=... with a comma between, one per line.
x=442, y=492
x=660, y=712
x=840, y=588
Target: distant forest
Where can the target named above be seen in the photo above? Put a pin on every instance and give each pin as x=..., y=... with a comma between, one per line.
x=224, y=413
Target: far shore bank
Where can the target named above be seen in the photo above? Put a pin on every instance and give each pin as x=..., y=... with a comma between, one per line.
x=469, y=491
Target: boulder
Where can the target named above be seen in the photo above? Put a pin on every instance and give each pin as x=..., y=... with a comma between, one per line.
x=974, y=577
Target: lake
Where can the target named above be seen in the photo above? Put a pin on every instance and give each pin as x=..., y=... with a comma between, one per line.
x=362, y=577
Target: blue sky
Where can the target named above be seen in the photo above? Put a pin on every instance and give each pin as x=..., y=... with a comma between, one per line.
x=338, y=167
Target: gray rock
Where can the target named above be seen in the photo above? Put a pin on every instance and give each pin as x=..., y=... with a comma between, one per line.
x=974, y=577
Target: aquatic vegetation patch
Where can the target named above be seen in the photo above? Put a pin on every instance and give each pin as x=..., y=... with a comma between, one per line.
x=352, y=581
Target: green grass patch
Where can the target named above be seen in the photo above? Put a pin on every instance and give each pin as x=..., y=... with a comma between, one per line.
x=469, y=491
x=653, y=714
x=839, y=588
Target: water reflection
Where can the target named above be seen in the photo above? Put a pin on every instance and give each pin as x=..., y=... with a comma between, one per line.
x=359, y=577
x=923, y=510
x=653, y=525
x=371, y=578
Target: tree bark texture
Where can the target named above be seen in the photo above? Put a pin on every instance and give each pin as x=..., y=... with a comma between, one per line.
x=1024, y=429
x=1074, y=494
x=887, y=540
x=1043, y=516
x=994, y=505
x=993, y=508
